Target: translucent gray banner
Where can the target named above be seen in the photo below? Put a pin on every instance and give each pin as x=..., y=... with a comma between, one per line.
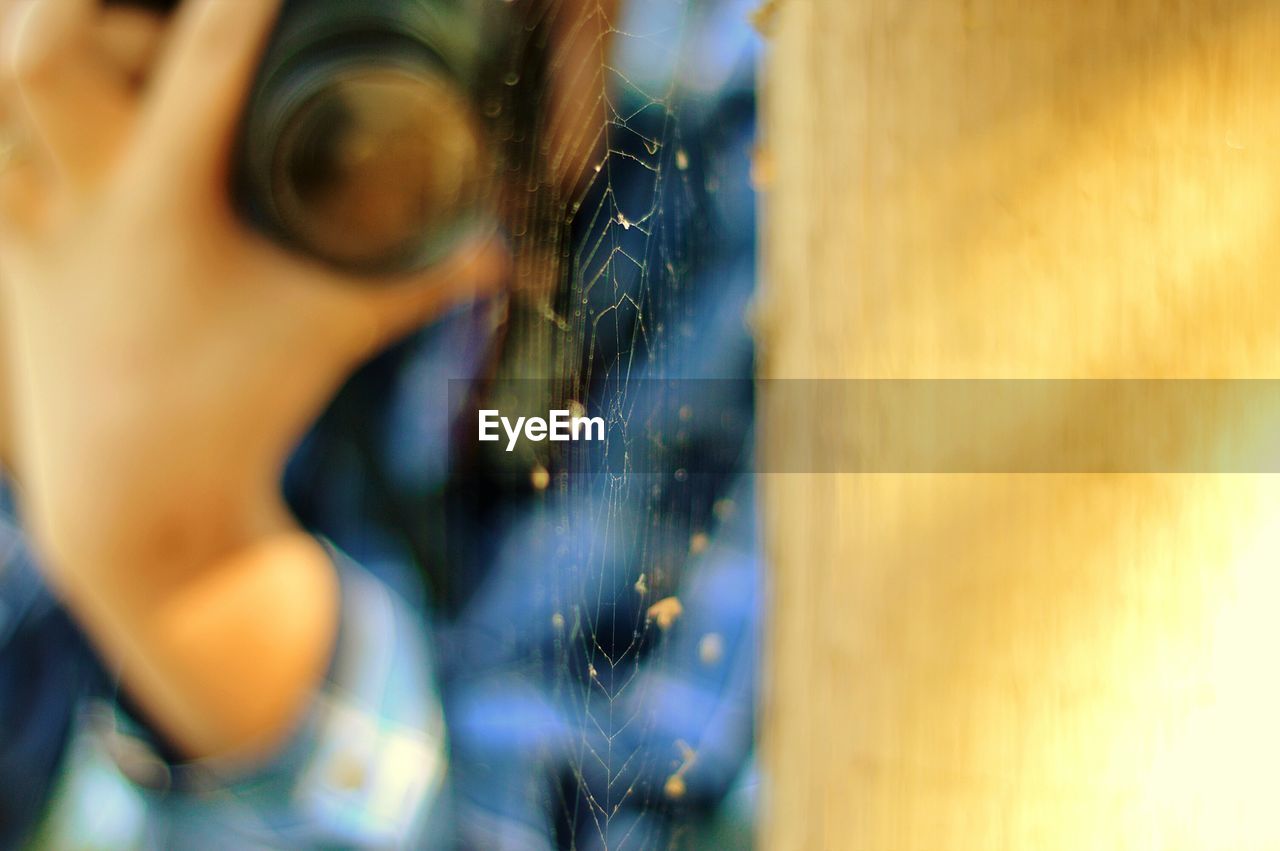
x=883, y=426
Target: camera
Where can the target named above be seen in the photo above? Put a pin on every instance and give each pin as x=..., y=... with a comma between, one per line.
x=363, y=143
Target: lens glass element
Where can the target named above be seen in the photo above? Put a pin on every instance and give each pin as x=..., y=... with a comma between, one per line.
x=378, y=168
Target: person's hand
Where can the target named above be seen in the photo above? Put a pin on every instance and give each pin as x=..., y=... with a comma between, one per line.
x=163, y=359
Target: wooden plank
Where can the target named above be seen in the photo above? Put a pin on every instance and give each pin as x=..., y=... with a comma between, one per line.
x=996, y=189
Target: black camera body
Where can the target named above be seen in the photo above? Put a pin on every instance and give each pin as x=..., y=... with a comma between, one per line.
x=363, y=143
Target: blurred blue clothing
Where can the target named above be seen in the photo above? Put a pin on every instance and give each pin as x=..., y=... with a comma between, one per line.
x=575, y=715
x=78, y=769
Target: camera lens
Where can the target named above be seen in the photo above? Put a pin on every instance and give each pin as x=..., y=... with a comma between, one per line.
x=375, y=167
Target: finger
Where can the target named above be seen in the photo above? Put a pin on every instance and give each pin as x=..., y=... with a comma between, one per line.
x=7, y=412
x=75, y=107
x=399, y=307
x=578, y=107
x=21, y=179
x=22, y=197
x=129, y=39
x=23, y=187
x=6, y=17
x=369, y=314
x=200, y=86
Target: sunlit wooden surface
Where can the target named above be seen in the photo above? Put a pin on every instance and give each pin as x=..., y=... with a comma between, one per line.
x=1040, y=188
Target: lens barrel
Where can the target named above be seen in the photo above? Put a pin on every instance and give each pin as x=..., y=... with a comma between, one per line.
x=362, y=145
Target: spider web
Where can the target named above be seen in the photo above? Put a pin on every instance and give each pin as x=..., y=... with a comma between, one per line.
x=607, y=224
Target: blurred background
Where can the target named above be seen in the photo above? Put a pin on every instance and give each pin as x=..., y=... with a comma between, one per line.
x=596, y=615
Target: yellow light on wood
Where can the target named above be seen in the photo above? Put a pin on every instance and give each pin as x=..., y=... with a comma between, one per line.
x=999, y=189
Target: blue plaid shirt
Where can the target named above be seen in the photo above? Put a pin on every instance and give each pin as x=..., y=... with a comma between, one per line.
x=551, y=701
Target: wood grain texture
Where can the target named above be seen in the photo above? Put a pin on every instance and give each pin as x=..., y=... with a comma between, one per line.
x=993, y=189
